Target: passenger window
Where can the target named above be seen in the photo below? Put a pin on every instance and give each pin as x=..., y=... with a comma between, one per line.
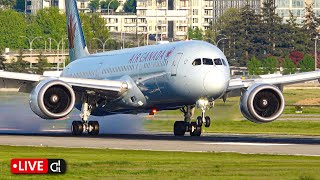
x=207, y=61
x=196, y=62
x=217, y=61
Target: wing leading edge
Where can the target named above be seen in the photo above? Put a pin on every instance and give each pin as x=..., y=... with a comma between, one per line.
x=25, y=82
x=278, y=81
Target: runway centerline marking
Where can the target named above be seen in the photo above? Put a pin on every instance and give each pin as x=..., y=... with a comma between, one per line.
x=245, y=144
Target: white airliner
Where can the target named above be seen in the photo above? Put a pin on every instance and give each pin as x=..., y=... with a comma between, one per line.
x=179, y=75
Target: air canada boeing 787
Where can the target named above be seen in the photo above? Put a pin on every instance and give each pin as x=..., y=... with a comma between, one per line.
x=179, y=75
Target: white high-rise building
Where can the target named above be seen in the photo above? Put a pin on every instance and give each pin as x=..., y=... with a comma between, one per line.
x=297, y=7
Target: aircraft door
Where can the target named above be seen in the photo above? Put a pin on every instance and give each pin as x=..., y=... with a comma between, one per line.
x=175, y=64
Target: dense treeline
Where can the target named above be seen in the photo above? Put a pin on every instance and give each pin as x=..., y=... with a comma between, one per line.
x=17, y=30
x=258, y=36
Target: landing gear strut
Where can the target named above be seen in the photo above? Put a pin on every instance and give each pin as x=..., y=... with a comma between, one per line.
x=195, y=128
x=78, y=127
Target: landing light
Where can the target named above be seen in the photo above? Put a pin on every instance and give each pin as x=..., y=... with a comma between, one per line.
x=153, y=111
x=202, y=103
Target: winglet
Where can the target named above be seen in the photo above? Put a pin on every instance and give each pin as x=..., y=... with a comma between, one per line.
x=77, y=43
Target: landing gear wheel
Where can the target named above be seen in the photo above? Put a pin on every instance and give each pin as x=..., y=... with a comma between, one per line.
x=179, y=128
x=199, y=121
x=93, y=128
x=195, y=129
x=207, y=121
x=77, y=128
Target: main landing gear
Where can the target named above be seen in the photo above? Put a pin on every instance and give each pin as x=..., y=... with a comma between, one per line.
x=78, y=127
x=195, y=128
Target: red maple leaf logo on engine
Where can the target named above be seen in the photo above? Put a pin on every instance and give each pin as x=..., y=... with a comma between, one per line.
x=71, y=32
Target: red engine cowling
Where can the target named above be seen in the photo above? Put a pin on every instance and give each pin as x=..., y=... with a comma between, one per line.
x=262, y=103
x=52, y=99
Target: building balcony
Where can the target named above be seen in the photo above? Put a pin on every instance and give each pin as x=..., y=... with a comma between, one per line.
x=208, y=6
x=142, y=7
x=207, y=15
x=130, y=25
x=183, y=7
x=177, y=13
x=181, y=33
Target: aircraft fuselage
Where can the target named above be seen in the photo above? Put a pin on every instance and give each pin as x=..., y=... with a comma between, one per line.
x=168, y=75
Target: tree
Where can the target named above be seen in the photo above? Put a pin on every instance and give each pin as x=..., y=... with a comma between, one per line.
x=48, y=23
x=12, y=26
x=311, y=22
x=226, y=19
x=270, y=65
x=288, y=66
x=270, y=28
x=94, y=5
x=254, y=66
x=307, y=63
x=130, y=6
x=296, y=57
x=99, y=30
x=113, y=5
x=297, y=39
x=86, y=27
x=2, y=61
x=195, y=34
x=42, y=65
x=19, y=65
x=7, y=3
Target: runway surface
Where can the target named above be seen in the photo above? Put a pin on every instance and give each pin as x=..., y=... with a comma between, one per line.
x=34, y=131
x=247, y=144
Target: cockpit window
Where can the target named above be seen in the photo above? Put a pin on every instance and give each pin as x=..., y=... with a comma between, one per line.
x=217, y=61
x=224, y=62
x=207, y=61
x=196, y=62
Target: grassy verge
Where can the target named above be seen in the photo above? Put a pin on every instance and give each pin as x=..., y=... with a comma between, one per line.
x=246, y=127
x=226, y=118
x=125, y=164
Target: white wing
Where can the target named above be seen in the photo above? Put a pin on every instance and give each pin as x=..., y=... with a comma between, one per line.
x=25, y=83
x=236, y=85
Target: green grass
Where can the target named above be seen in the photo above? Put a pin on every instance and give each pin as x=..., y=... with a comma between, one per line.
x=246, y=127
x=127, y=164
x=225, y=118
x=229, y=110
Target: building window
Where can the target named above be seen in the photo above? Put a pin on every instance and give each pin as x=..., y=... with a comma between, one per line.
x=195, y=12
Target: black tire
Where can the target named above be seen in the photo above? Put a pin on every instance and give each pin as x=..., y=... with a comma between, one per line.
x=207, y=121
x=199, y=121
x=77, y=128
x=95, y=128
x=195, y=129
x=179, y=128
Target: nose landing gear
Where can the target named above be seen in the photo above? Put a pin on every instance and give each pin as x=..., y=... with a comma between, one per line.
x=195, y=128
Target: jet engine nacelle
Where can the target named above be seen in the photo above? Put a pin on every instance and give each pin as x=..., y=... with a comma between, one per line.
x=262, y=103
x=52, y=99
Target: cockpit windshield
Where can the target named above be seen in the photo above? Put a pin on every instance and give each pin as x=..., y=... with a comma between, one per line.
x=196, y=62
x=217, y=61
x=207, y=61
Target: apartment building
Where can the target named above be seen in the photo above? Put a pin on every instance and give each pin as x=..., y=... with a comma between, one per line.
x=175, y=16
x=297, y=7
x=171, y=18
x=83, y=5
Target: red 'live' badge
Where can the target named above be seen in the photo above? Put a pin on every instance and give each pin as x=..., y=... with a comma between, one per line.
x=29, y=166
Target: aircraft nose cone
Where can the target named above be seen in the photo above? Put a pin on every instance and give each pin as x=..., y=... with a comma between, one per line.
x=215, y=82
